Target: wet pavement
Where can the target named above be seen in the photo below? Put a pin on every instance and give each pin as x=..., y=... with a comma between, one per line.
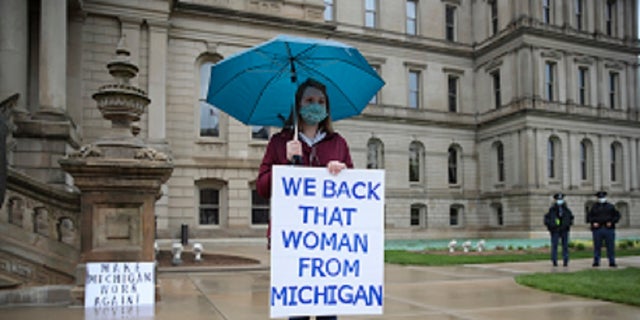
x=469, y=292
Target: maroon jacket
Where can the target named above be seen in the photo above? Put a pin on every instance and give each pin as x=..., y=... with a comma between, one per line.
x=332, y=147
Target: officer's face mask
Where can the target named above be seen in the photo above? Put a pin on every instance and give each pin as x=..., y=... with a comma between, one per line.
x=560, y=202
x=602, y=200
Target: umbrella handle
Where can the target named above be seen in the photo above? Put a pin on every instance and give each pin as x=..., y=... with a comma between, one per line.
x=297, y=159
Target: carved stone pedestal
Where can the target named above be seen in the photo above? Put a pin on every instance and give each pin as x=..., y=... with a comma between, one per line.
x=119, y=178
x=117, y=205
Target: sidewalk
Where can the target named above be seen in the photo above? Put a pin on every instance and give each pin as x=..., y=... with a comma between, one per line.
x=469, y=292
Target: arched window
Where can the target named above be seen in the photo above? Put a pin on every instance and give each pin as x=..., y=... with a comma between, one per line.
x=454, y=164
x=616, y=162
x=586, y=160
x=499, y=148
x=553, y=158
x=375, y=154
x=209, y=115
x=416, y=159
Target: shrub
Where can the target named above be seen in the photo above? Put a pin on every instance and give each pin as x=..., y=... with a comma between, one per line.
x=580, y=247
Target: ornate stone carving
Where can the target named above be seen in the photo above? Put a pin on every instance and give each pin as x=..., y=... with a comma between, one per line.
x=121, y=102
x=151, y=154
x=87, y=151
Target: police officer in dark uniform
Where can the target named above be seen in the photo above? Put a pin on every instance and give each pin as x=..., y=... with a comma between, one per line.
x=558, y=221
x=603, y=217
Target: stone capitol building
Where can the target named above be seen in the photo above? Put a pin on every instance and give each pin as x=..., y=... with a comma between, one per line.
x=489, y=108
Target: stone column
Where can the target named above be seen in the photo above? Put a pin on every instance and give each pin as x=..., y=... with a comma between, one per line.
x=598, y=15
x=635, y=164
x=157, y=82
x=53, y=60
x=14, y=52
x=629, y=88
x=531, y=158
x=600, y=85
x=599, y=162
x=525, y=85
x=570, y=75
x=535, y=74
x=44, y=137
x=157, y=116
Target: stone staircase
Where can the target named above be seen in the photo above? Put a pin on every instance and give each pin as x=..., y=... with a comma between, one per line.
x=39, y=241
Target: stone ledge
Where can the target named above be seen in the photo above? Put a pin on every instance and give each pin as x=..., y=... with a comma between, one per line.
x=37, y=296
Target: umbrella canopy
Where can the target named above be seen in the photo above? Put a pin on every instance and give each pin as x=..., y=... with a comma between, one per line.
x=257, y=86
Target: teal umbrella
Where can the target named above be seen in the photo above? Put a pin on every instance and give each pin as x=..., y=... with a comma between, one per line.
x=257, y=86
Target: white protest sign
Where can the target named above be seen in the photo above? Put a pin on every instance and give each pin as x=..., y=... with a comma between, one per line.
x=327, y=242
x=119, y=284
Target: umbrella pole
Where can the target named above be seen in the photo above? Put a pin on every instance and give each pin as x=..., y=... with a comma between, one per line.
x=297, y=159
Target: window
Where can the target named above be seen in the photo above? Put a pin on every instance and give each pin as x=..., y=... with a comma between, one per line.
x=613, y=90
x=418, y=216
x=553, y=160
x=412, y=17
x=616, y=162
x=579, y=7
x=414, y=89
x=497, y=99
x=500, y=161
x=586, y=160
x=453, y=93
x=209, y=206
x=453, y=163
x=375, y=154
x=610, y=13
x=498, y=214
x=415, y=216
x=416, y=155
x=455, y=215
x=583, y=85
x=259, y=132
x=550, y=81
x=328, y=10
x=494, y=16
x=370, y=13
x=259, y=209
x=546, y=11
x=450, y=23
x=209, y=115
x=375, y=99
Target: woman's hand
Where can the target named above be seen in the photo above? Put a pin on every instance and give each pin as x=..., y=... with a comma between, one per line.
x=294, y=148
x=335, y=167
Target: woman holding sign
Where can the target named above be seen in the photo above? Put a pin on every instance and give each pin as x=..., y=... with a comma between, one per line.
x=316, y=144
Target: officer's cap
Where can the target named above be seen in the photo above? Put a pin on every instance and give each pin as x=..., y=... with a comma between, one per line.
x=601, y=194
x=558, y=196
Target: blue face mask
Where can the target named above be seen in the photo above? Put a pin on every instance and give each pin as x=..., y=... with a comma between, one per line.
x=560, y=202
x=313, y=113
